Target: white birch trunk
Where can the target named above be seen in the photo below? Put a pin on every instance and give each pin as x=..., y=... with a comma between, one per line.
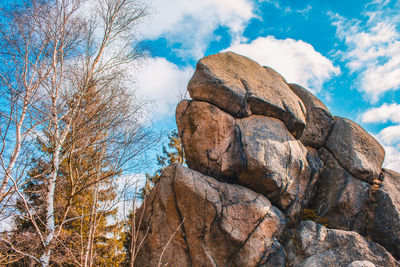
x=15, y=153
x=50, y=224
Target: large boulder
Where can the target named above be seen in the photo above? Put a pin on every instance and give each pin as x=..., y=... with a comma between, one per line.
x=257, y=152
x=319, y=120
x=157, y=220
x=241, y=86
x=216, y=224
x=312, y=244
x=340, y=198
x=356, y=150
x=278, y=165
x=383, y=220
x=210, y=138
x=348, y=203
x=255, y=174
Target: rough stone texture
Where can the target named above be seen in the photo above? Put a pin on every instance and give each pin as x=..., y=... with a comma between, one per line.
x=257, y=152
x=161, y=219
x=181, y=110
x=275, y=74
x=210, y=139
x=315, y=245
x=319, y=121
x=223, y=224
x=276, y=258
x=278, y=165
x=351, y=204
x=356, y=150
x=340, y=197
x=240, y=86
x=243, y=131
x=361, y=264
x=384, y=213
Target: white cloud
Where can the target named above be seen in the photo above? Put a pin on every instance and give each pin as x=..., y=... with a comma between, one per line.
x=128, y=186
x=390, y=135
x=305, y=10
x=187, y=25
x=287, y=9
x=162, y=82
x=372, y=54
x=392, y=160
x=372, y=49
x=383, y=114
x=274, y=3
x=297, y=61
x=6, y=224
x=380, y=2
x=192, y=23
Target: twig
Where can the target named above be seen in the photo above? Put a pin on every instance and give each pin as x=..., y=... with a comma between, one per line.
x=166, y=245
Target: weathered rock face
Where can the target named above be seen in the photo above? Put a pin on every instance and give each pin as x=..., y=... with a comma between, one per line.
x=361, y=264
x=240, y=86
x=356, y=150
x=313, y=244
x=210, y=137
x=256, y=174
x=351, y=204
x=340, y=197
x=217, y=224
x=278, y=165
x=257, y=152
x=161, y=218
x=383, y=219
x=319, y=120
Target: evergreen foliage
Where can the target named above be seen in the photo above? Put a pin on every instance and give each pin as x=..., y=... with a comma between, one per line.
x=84, y=199
x=173, y=154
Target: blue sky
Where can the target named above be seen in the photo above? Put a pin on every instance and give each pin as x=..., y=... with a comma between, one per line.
x=346, y=52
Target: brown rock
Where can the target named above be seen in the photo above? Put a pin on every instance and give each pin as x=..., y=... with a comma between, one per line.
x=340, y=197
x=275, y=74
x=383, y=222
x=257, y=152
x=319, y=120
x=210, y=138
x=361, y=264
x=181, y=110
x=161, y=219
x=229, y=217
x=243, y=128
x=223, y=224
x=276, y=257
x=356, y=150
x=351, y=204
x=240, y=86
x=278, y=165
x=314, y=245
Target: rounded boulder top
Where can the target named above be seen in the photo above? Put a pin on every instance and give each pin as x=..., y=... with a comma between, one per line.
x=241, y=87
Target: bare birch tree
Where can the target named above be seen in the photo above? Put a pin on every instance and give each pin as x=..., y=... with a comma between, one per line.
x=57, y=54
x=23, y=69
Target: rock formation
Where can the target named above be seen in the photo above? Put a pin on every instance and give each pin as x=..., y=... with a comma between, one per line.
x=260, y=152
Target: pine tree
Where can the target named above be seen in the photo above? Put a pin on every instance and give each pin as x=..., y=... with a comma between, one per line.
x=174, y=154
x=88, y=232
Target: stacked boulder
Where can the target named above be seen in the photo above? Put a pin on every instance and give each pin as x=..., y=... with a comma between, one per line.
x=259, y=152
